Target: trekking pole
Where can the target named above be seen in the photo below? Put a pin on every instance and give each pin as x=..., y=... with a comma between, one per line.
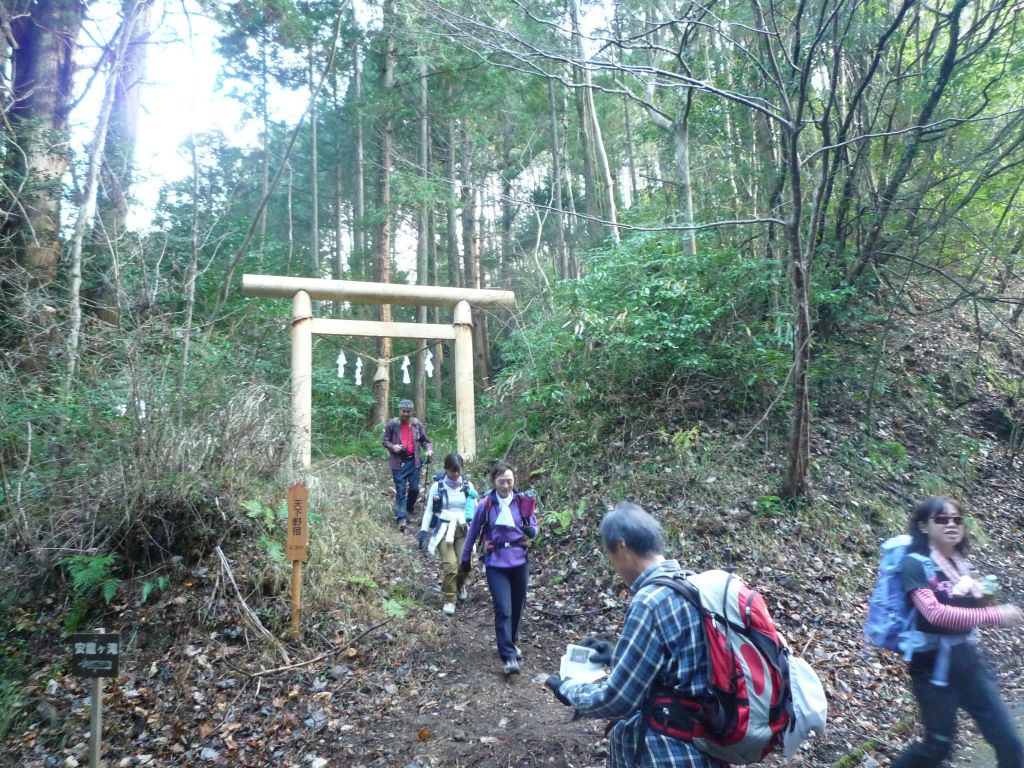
x=426, y=489
x=423, y=467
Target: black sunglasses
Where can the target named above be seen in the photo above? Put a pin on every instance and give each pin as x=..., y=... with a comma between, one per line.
x=946, y=520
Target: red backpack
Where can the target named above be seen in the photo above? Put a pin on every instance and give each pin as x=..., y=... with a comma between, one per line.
x=748, y=704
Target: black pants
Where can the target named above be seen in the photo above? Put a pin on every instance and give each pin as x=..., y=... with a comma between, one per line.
x=971, y=688
x=508, y=592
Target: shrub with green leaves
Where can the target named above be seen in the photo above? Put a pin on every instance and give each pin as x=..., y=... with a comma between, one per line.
x=647, y=315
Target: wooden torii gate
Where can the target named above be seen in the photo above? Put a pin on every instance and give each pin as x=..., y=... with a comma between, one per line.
x=302, y=291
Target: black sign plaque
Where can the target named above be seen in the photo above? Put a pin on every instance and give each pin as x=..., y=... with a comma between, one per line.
x=95, y=654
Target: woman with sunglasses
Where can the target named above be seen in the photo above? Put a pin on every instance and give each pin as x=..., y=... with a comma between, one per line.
x=946, y=670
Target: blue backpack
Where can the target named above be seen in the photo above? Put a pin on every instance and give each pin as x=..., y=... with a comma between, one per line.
x=890, y=615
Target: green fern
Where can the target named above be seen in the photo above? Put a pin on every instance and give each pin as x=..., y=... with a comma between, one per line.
x=393, y=608
x=159, y=583
x=257, y=510
x=273, y=548
x=563, y=519
x=91, y=576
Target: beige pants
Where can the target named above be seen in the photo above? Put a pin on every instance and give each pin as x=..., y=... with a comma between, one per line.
x=450, y=553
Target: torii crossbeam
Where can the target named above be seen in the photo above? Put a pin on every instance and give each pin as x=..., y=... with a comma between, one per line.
x=302, y=290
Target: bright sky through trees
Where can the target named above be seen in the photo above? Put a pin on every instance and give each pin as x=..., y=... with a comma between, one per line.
x=182, y=93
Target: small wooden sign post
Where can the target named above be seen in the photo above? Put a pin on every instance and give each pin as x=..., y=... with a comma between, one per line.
x=297, y=547
x=95, y=655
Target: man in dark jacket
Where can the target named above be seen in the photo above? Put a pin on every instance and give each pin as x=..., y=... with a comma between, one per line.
x=404, y=438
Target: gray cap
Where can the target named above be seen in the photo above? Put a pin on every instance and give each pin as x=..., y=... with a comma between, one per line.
x=406, y=403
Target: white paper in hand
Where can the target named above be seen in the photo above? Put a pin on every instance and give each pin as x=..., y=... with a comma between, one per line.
x=576, y=665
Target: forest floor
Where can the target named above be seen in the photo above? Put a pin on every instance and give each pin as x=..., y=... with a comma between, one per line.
x=413, y=688
x=427, y=690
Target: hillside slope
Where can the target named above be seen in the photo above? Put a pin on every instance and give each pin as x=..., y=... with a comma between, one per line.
x=380, y=677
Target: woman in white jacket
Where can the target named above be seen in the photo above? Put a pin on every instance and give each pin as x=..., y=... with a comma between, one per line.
x=452, y=502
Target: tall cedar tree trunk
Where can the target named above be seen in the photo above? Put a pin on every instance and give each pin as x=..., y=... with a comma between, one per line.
x=609, y=210
x=338, y=254
x=359, y=261
x=265, y=160
x=106, y=296
x=43, y=67
x=678, y=129
x=470, y=247
x=454, y=273
x=505, y=254
x=193, y=267
x=483, y=330
x=597, y=158
x=627, y=123
x=559, y=260
x=775, y=178
x=732, y=141
x=469, y=255
x=681, y=155
x=590, y=183
x=572, y=266
x=798, y=446
x=382, y=248
x=451, y=210
x=435, y=272
x=314, y=189
x=422, y=270
x=84, y=218
x=471, y=244
x=291, y=219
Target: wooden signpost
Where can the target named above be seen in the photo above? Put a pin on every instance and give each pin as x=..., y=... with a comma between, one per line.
x=95, y=655
x=297, y=545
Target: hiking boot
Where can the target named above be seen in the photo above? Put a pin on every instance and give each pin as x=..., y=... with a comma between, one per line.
x=448, y=609
x=511, y=667
x=401, y=525
x=463, y=594
x=519, y=654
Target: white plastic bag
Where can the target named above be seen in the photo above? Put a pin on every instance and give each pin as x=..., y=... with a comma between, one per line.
x=810, y=706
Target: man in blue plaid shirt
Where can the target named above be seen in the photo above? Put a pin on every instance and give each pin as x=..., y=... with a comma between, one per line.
x=662, y=645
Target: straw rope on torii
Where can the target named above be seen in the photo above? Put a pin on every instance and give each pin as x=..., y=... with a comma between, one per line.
x=303, y=290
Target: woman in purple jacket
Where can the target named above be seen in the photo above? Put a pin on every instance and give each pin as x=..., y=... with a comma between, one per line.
x=505, y=521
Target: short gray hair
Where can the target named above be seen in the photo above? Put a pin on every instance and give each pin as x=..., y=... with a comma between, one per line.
x=632, y=524
x=406, y=403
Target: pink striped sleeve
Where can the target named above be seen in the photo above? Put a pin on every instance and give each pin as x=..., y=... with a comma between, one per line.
x=951, y=616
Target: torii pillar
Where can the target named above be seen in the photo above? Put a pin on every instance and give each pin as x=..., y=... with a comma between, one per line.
x=302, y=291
